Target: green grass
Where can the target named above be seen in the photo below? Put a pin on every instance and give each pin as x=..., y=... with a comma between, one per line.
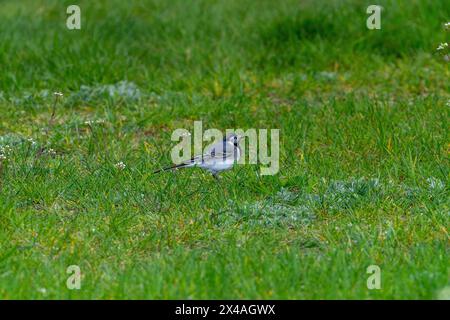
x=363, y=161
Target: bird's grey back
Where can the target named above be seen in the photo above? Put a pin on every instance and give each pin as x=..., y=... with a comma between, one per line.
x=223, y=148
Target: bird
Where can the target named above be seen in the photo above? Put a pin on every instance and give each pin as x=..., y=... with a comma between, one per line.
x=218, y=157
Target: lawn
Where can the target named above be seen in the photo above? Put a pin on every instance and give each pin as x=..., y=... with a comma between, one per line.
x=364, y=145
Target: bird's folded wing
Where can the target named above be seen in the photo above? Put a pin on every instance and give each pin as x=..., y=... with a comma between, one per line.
x=210, y=156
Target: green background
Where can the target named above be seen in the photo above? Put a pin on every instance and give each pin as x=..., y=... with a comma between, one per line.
x=364, y=145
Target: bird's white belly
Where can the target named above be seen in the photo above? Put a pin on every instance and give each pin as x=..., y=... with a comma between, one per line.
x=218, y=165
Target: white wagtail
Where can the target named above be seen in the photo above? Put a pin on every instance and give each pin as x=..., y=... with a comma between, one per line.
x=218, y=157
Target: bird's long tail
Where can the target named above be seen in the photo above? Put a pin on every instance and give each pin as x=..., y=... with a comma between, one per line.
x=176, y=166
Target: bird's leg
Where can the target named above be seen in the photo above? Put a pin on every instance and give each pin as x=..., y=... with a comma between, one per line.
x=215, y=176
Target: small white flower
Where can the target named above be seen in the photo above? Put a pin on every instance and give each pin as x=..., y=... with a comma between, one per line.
x=447, y=26
x=5, y=149
x=120, y=165
x=51, y=152
x=442, y=46
x=2, y=157
x=58, y=94
x=31, y=140
x=42, y=290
